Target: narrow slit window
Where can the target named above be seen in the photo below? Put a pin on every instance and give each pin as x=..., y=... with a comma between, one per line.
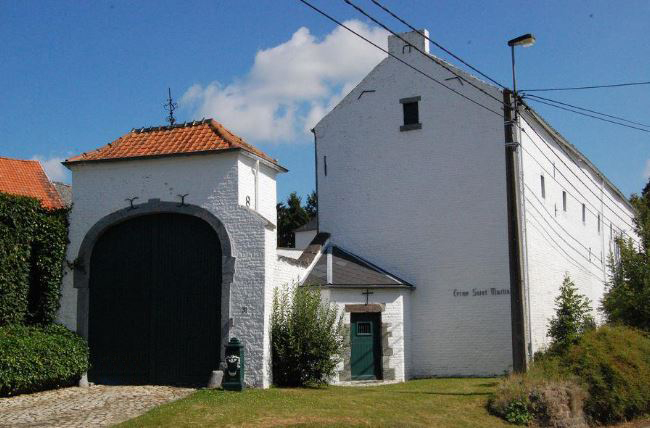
x=325, y=165
x=598, y=223
x=411, y=111
x=584, y=213
x=564, y=201
x=542, y=186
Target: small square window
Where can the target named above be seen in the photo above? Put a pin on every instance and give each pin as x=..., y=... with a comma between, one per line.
x=411, y=109
x=364, y=329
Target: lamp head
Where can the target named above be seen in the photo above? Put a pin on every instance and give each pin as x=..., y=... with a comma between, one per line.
x=525, y=41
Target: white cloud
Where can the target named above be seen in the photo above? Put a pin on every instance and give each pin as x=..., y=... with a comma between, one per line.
x=53, y=168
x=646, y=171
x=290, y=86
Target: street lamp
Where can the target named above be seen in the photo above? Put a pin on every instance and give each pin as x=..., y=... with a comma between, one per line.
x=526, y=40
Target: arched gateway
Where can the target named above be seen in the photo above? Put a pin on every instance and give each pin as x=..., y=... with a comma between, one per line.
x=172, y=253
x=155, y=298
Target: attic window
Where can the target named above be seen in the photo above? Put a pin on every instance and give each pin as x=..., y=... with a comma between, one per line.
x=411, y=110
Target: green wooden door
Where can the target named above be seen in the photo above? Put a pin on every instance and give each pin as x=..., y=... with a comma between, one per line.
x=155, y=302
x=365, y=344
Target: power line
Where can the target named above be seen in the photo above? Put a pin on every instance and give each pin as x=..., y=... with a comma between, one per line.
x=585, y=109
x=561, y=146
x=552, y=216
x=397, y=58
x=583, y=200
x=576, y=263
x=572, y=172
x=589, y=115
x=376, y=21
x=436, y=43
x=549, y=226
x=577, y=88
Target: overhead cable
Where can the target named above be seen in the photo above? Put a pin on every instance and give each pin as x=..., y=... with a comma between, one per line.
x=339, y=23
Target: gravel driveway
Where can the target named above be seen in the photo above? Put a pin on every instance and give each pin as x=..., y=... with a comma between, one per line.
x=97, y=405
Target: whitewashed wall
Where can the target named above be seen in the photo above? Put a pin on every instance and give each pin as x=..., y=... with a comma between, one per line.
x=428, y=205
x=211, y=182
x=558, y=241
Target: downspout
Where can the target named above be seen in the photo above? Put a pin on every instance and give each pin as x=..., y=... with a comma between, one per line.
x=257, y=185
x=523, y=244
x=313, y=130
x=518, y=331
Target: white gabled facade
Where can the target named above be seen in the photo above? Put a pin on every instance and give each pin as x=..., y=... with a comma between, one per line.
x=429, y=204
x=221, y=184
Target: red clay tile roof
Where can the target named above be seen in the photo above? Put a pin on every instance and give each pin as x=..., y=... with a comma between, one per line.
x=27, y=178
x=192, y=137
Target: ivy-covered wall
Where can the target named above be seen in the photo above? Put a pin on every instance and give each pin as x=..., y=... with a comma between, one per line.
x=32, y=255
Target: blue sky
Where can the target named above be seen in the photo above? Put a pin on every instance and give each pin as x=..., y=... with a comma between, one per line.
x=76, y=75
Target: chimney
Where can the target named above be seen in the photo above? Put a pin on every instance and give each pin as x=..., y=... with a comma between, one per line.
x=398, y=47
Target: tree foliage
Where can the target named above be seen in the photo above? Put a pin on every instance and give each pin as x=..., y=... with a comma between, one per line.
x=306, y=337
x=292, y=215
x=32, y=253
x=573, y=316
x=627, y=297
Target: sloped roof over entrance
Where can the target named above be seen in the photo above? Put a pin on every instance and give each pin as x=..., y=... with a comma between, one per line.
x=348, y=270
x=27, y=178
x=203, y=136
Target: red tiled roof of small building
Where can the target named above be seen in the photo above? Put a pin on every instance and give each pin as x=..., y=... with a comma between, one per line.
x=27, y=178
x=185, y=138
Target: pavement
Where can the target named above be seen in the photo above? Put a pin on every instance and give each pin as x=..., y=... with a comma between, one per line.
x=97, y=405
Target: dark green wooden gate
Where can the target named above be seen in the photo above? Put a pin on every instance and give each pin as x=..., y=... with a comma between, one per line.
x=365, y=344
x=155, y=302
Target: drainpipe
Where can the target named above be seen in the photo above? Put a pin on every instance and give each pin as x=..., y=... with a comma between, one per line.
x=257, y=185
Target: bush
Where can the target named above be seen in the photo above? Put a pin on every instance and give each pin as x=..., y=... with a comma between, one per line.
x=614, y=364
x=38, y=358
x=32, y=255
x=306, y=337
x=546, y=395
x=606, y=373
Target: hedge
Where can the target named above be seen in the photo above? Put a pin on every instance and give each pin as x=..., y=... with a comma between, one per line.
x=614, y=364
x=606, y=375
x=35, y=358
x=32, y=254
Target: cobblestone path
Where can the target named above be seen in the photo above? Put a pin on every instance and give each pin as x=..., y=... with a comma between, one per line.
x=97, y=405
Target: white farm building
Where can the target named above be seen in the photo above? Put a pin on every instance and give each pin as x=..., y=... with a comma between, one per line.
x=440, y=268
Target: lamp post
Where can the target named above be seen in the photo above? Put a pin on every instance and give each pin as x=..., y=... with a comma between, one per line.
x=525, y=40
x=518, y=306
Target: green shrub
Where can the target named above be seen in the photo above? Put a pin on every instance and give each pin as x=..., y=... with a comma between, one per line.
x=306, y=337
x=545, y=395
x=38, y=358
x=572, y=317
x=32, y=255
x=614, y=364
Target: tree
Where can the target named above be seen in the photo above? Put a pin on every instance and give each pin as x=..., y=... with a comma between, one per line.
x=572, y=317
x=306, y=337
x=627, y=296
x=291, y=216
x=312, y=205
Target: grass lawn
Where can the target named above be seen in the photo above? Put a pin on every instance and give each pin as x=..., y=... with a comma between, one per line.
x=426, y=402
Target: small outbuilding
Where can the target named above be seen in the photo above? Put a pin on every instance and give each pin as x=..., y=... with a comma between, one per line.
x=172, y=248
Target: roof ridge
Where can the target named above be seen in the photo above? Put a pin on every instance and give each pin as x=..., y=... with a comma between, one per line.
x=20, y=160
